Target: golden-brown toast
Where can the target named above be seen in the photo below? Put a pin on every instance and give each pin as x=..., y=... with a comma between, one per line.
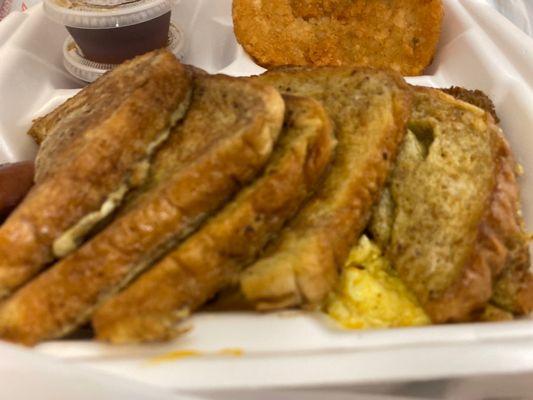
x=94, y=145
x=153, y=306
x=369, y=109
x=452, y=225
x=398, y=34
x=513, y=289
x=224, y=141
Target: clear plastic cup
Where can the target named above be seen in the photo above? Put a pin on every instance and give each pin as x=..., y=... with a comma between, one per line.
x=88, y=71
x=112, y=31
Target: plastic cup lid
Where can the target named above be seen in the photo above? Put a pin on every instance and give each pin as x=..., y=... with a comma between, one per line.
x=105, y=14
x=89, y=71
x=107, y=3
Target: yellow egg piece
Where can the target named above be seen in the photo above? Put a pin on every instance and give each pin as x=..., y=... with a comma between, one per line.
x=369, y=294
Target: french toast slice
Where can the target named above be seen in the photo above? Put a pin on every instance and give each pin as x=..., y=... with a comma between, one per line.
x=153, y=306
x=449, y=218
x=95, y=144
x=225, y=139
x=369, y=109
x=513, y=289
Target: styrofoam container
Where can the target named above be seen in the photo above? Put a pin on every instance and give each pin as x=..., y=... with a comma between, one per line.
x=25, y=375
x=479, y=49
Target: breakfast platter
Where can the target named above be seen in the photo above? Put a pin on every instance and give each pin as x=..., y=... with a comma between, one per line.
x=478, y=49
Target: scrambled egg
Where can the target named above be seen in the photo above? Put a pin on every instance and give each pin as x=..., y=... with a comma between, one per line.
x=370, y=294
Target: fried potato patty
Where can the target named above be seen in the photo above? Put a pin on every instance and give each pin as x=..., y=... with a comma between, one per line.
x=397, y=34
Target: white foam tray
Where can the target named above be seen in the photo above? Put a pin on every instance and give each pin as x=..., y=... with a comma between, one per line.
x=479, y=49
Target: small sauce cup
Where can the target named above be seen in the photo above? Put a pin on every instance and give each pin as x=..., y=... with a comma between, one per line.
x=112, y=31
x=88, y=71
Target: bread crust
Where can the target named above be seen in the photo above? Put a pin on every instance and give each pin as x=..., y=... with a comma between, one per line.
x=474, y=97
x=97, y=138
x=152, y=308
x=208, y=169
x=513, y=280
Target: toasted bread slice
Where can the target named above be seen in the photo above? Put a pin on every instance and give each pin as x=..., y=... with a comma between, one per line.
x=369, y=109
x=513, y=290
x=224, y=141
x=452, y=224
x=94, y=145
x=154, y=305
